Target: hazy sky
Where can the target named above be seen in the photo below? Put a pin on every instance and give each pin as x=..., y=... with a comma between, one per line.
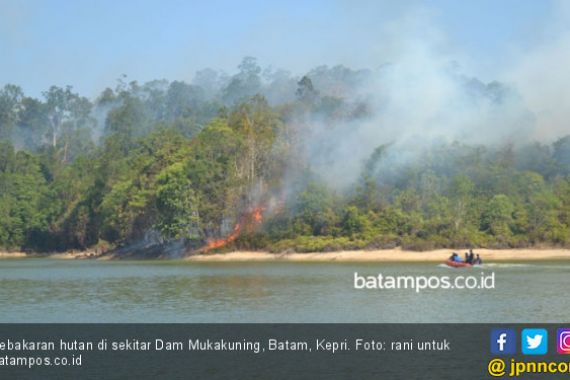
x=88, y=44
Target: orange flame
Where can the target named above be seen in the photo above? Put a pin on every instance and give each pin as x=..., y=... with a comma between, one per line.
x=218, y=243
x=250, y=219
x=257, y=215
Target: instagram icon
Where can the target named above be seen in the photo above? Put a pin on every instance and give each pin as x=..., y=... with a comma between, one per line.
x=563, y=341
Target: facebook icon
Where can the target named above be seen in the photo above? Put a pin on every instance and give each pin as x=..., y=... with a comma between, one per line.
x=503, y=342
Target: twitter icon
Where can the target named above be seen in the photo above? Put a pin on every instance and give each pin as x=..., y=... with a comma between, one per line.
x=534, y=341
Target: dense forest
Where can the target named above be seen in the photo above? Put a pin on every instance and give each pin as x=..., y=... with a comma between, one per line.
x=251, y=161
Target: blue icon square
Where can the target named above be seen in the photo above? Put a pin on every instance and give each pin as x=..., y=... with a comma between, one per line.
x=534, y=341
x=503, y=342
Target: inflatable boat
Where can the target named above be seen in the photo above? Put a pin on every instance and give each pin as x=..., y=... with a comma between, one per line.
x=456, y=264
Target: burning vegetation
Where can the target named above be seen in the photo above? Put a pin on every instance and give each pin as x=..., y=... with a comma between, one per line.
x=347, y=159
x=247, y=222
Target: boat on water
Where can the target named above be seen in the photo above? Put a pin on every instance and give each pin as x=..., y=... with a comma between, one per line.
x=455, y=261
x=456, y=264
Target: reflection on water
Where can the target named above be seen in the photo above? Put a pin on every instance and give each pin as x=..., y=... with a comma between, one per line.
x=36, y=290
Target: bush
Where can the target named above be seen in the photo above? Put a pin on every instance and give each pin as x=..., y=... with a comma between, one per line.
x=305, y=244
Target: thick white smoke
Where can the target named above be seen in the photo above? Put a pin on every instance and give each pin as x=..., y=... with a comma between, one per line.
x=542, y=76
x=417, y=97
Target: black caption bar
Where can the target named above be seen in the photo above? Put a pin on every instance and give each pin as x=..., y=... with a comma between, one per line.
x=261, y=351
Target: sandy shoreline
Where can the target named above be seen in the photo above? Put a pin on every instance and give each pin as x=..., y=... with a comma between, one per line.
x=61, y=256
x=12, y=255
x=386, y=255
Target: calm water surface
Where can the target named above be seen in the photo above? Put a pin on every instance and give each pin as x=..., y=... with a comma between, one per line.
x=48, y=290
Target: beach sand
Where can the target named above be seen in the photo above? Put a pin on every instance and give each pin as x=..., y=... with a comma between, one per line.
x=387, y=255
x=396, y=255
x=12, y=255
x=71, y=255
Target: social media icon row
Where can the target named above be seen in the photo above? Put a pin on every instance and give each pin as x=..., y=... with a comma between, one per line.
x=533, y=341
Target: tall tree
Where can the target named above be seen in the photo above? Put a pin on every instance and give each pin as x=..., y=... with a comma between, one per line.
x=10, y=108
x=67, y=113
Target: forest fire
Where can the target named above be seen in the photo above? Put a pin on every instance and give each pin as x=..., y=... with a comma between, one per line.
x=218, y=243
x=257, y=215
x=249, y=220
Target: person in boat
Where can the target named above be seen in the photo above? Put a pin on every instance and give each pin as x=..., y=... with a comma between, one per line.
x=455, y=258
x=467, y=257
x=478, y=260
x=471, y=257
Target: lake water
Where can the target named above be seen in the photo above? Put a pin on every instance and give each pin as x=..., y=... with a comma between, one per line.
x=48, y=290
